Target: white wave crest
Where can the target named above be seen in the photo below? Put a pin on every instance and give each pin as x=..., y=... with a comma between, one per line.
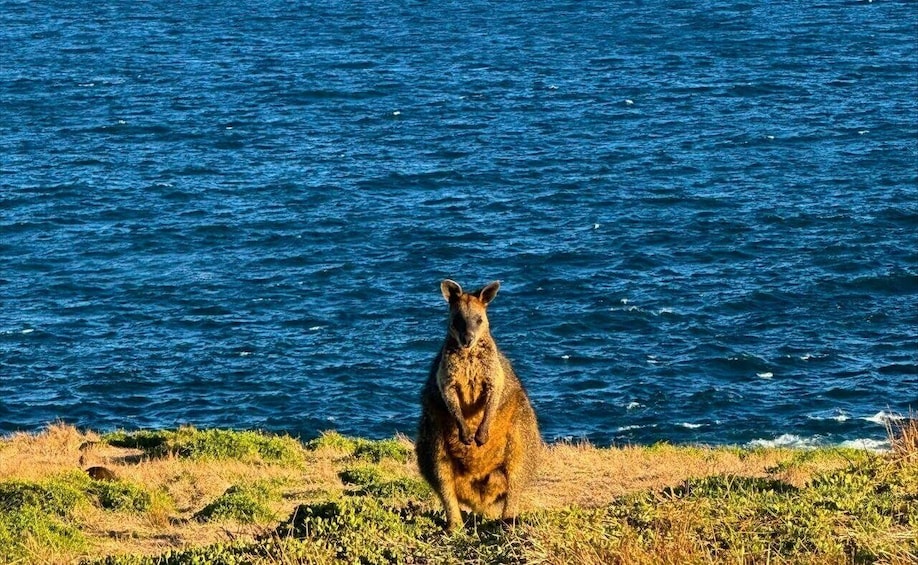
x=660, y=312
x=785, y=440
x=883, y=417
x=808, y=356
x=839, y=416
x=867, y=444
x=798, y=442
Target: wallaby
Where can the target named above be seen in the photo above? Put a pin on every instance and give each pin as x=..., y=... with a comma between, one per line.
x=478, y=440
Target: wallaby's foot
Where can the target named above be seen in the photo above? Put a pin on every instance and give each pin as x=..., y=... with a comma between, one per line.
x=508, y=523
x=453, y=513
x=454, y=523
x=511, y=507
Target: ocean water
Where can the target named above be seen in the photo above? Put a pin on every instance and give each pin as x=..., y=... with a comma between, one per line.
x=704, y=214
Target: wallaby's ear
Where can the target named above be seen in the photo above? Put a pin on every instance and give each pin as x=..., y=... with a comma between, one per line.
x=450, y=289
x=488, y=293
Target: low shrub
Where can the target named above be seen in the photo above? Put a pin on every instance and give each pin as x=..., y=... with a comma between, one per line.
x=245, y=504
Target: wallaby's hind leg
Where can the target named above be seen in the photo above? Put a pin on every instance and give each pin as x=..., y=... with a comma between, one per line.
x=447, y=491
x=523, y=451
x=511, y=503
x=515, y=469
x=436, y=467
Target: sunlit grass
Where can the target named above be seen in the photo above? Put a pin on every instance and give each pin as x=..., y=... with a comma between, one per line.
x=216, y=496
x=189, y=442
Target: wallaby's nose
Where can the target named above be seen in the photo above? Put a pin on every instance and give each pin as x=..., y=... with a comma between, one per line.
x=465, y=341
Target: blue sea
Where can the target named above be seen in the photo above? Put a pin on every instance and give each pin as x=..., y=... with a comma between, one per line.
x=704, y=215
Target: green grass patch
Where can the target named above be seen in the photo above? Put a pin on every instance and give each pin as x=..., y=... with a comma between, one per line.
x=265, y=551
x=38, y=513
x=364, y=449
x=813, y=458
x=865, y=513
x=378, y=450
x=373, y=531
x=41, y=513
x=245, y=504
x=354, y=530
x=191, y=443
x=121, y=495
x=334, y=441
x=58, y=495
x=853, y=511
x=361, y=529
x=361, y=476
x=31, y=525
x=369, y=480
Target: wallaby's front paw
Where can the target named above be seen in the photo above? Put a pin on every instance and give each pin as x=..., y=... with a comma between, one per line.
x=464, y=436
x=481, y=436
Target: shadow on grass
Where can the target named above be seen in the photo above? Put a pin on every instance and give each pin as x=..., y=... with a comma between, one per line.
x=720, y=485
x=362, y=529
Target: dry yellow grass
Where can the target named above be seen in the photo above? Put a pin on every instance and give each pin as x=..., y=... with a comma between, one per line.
x=903, y=437
x=571, y=476
x=583, y=475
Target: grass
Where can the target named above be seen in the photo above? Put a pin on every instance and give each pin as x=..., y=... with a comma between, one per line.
x=191, y=443
x=48, y=513
x=364, y=449
x=244, y=503
x=215, y=496
x=38, y=513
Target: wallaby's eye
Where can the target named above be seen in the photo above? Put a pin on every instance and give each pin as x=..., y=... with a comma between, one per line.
x=477, y=319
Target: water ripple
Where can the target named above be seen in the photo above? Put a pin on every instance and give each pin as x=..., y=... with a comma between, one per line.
x=705, y=224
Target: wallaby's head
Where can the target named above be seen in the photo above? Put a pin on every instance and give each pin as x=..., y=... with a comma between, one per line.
x=468, y=311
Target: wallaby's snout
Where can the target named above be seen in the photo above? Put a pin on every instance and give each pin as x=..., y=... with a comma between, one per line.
x=466, y=324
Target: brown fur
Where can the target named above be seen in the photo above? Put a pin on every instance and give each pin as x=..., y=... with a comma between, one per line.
x=102, y=474
x=478, y=440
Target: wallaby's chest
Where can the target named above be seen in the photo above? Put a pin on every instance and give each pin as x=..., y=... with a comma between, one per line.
x=469, y=373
